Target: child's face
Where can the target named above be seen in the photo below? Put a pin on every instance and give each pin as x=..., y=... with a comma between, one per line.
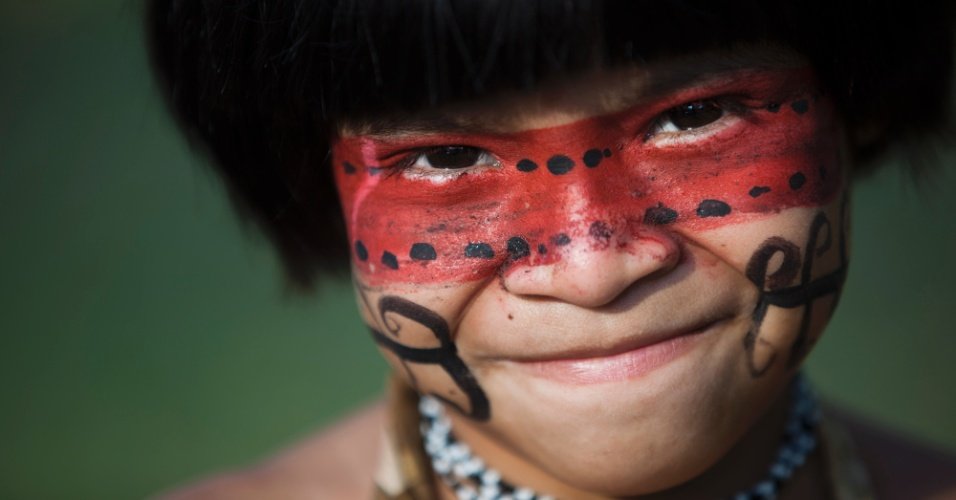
x=613, y=276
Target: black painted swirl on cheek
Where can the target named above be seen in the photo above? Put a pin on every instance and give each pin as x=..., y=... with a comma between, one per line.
x=774, y=289
x=390, y=308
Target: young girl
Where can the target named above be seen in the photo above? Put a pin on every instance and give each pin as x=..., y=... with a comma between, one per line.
x=594, y=240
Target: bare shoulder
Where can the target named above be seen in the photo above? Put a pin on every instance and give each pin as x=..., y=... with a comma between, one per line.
x=901, y=467
x=337, y=462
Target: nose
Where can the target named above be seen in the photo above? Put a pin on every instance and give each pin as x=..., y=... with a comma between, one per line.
x=594, y=269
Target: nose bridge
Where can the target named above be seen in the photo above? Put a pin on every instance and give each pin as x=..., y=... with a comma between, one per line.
x=573, y=190
x=574, y=174
x=580, y=204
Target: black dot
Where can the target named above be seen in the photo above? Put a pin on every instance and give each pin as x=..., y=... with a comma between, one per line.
x=349, y=168
x=758, y=190
x=797, y=180
x=479, y=251
x=712, y=208
x=422, y=251
x=773, y=107
x=607, y=152
x=526, y=165
x=801, y=106
x=360, y=251
x=389, y=260
x=560, y=239
x=659, y=215
x=374, y=170
x=592, y=158
x=560, y=164
x=518, y=247
x=542, y=249
x=600, y=231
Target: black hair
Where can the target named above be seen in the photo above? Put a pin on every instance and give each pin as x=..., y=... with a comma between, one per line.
x=260, y=85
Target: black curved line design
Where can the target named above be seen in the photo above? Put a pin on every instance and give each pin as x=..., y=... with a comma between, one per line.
x=445, y=355
x=774, y=292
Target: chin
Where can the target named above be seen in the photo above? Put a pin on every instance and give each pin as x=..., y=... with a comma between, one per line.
x=635, y=436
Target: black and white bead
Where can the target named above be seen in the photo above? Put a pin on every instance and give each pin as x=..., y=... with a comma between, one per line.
x=799, y=441
x=468, y=476
x=453, y=461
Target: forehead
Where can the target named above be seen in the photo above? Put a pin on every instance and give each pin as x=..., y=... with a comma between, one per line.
x=574, y=97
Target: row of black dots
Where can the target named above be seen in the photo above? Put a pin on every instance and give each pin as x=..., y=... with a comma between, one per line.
x=796, y=181
x=517, y=248
x=660, y=215
x=561, y=164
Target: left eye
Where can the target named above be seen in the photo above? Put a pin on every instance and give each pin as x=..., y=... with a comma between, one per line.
x=690, y=116
x=454, y=157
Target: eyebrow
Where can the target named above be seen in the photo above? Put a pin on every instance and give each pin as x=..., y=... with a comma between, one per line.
x=661, y=79
x=419, y=123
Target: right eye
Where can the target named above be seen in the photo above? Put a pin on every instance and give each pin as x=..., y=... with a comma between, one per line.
x=694, y=121
x=444, y=163
x=691, y=116
x=454, y=158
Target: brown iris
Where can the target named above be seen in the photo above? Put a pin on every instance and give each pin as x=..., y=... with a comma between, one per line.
x=695, y=114
x=453, y=156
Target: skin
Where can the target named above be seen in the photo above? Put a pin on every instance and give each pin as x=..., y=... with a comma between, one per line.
x=739, y=296
x=723, y=243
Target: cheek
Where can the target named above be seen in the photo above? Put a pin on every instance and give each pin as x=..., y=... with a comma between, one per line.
x=737, y=244
x=582, y=184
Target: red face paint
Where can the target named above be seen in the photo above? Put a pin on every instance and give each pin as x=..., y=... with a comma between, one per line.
x=598, y=180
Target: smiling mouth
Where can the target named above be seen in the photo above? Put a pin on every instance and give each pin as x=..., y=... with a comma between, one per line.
x=614, y=365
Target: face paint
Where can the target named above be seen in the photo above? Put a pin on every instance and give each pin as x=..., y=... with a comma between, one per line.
x=391, y=315
x=777, y=288
x=600, y=179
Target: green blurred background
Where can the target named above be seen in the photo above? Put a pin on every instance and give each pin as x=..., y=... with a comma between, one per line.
x=146, y=337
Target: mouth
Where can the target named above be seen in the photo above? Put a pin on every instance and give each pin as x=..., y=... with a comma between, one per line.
x=627, y=361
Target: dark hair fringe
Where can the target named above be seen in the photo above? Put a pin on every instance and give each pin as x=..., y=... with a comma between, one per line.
x=259, y=85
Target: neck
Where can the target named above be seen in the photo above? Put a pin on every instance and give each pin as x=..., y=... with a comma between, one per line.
x=743, y=466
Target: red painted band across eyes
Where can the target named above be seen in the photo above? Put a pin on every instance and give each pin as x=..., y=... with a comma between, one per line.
x=589, y=179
